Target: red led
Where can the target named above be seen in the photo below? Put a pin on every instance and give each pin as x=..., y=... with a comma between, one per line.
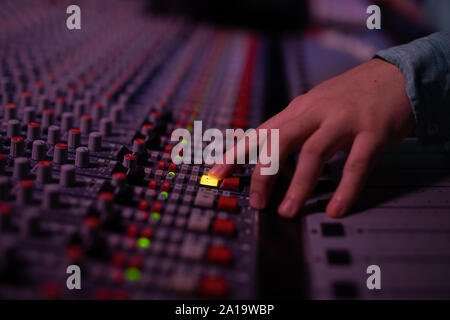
x=118, y=259
x=230, y=183
x=74, y=253
x=147, y=232
x=161, y=165
x=130, y=156
x=5, y=208
x=17, y=139
x=119, y=175
x=139, y=140
x=172, y=167
x=143, y=205
x=132, y=230
x=227, y=203
x=33, y=124
x=219, y=254
x=224, y=227
x=75, y=130
x=26, y=183
x=92, y=222
x=152, y=184
x=165, y=186
x=157, y=207
x=108, y=196
x=214, y=286
x=168, y=149
x=135, y=261
x=61, y=145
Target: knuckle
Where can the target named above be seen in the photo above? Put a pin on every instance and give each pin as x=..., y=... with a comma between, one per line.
x=358, y=167
x=313, y=150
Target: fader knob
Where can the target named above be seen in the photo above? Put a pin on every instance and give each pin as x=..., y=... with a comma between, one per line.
x=66, y=121
x=95, y=142
x=82, y=157
x=106, y=127
x=105, y=201
x=21, y=168
x=38, y=150
x=47, y=118
x=51, y=196
x=129, y=161
x=10, y=112
x=17, y=147
x=25, y=192
x=60, y=153
x=116, y=114
x=138, y=146
x=118, y=179
x=86, y=124
x=33, y=131
x=74, y=140
x=78, y=108
x=53, y=135
x=29, y=115
x=44, y=172
x=13, y=129
x=67, y=176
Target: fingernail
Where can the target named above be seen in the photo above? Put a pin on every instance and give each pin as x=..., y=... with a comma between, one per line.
x=256, y=201
x=335, y=207
x=286, y=208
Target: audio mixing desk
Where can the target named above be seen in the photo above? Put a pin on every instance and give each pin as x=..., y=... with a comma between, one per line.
x=87, y=179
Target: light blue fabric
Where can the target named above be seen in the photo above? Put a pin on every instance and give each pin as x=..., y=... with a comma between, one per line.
x=425, y=64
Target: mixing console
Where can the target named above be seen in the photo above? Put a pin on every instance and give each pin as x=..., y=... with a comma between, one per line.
x=86, y=171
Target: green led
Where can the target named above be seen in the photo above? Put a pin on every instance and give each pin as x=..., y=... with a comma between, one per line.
x=143, y=243
x=133, y=274
x=184, y=141
x=156, y=215
x=165, y=194
x=172, y=173
x=190, y=128
x=179, y=157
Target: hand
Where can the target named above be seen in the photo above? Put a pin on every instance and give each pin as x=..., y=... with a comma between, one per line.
x=363, y=110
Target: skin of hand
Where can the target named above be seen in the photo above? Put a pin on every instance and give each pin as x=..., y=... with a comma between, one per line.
x=364, y=110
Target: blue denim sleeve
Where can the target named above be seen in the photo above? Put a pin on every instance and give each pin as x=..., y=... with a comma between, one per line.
x=425, y=64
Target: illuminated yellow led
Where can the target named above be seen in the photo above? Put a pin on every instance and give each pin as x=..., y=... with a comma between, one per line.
x=209, y=181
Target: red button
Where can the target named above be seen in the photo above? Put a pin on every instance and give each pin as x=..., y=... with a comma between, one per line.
x=143, y=205
x=227, y=203
x=119, y=175
x=230, y=183
x=147, y=232
x=132, y=230
x=224, y=227
x=219, y=254
x=161, y=165
x=165, y=186
x=152, y=184
x=168, y=149
x=172, y=167
x=135, y=261
x=213, y=286
x=74, y=253
x=157, y=207
x=51, y=290
x=118, y=259
x=92, y=222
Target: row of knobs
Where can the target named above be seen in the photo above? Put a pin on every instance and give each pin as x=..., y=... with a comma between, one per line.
x=50, y=199
x=39, y=147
